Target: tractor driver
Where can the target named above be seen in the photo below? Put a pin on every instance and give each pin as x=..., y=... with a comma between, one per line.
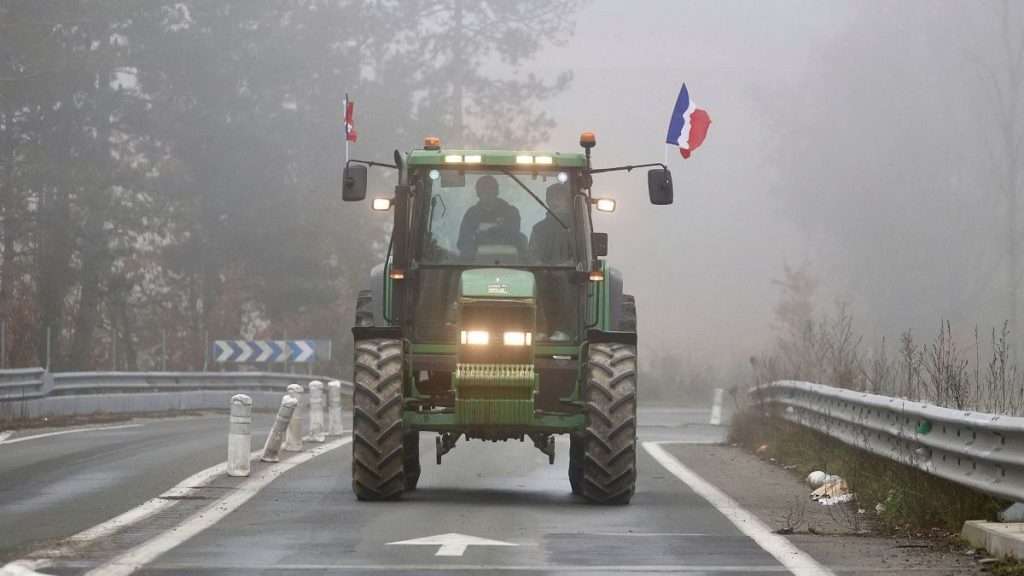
x=550, y=241
x=551, y=245
x=491, y=220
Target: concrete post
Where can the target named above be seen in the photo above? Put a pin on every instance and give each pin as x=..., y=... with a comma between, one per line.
x=716, y=407
x=334, y=425
x=239, y=435
x=316, y=411
x=293, y=440
x=284, y=415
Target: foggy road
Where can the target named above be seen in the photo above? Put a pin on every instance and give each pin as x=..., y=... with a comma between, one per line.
x=308, y=519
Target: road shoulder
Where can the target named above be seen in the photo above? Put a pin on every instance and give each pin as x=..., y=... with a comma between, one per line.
x=836, y=536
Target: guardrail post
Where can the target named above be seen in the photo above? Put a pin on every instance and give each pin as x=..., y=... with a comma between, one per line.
x=316, y=411
x=293, y=441
x=334, y=425
x=239, y=435
x=284, y=415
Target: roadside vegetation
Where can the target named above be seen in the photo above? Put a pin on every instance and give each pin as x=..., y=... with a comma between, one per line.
x=827, y=349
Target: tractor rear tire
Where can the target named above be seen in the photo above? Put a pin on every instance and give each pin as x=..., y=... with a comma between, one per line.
x=378, y=462
x=411, y=455
x=576, y=463
x=627, y=316
x=609, y=446
x=364, y=308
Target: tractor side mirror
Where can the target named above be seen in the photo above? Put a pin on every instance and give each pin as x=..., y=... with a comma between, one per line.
x=354, y=183
x=659, y=186
x=600, y=241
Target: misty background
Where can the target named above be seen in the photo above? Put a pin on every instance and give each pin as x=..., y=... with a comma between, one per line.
x=172, y=169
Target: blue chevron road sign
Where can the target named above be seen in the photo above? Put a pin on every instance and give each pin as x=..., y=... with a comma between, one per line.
x=252, y=351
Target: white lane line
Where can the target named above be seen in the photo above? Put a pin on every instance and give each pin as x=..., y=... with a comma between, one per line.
x=473, y=568
x=67, y=547
x=150, y=507
x=136, y=558
x=4, y=441
x=794, y=559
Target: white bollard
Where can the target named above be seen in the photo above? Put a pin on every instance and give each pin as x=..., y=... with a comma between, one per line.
x=293, y=440
x=239, y=435
x=316, y=411
x=716, y=407
x=334, y=425
x=277, y=433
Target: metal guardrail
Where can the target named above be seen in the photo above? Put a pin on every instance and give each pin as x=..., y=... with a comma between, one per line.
x=28, y=383
x=978, y=450
x=24, y=383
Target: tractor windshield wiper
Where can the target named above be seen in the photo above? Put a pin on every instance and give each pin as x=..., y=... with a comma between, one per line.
x=539, y=201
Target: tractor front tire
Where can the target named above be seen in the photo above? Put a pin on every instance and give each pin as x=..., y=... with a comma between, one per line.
x=378, y=462
x=609, y=444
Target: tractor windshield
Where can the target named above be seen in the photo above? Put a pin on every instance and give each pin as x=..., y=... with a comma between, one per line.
x=496, y=217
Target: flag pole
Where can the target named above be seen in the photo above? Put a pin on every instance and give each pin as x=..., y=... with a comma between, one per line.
x=344, y=121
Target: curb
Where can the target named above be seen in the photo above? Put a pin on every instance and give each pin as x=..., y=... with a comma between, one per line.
x=1000, y=539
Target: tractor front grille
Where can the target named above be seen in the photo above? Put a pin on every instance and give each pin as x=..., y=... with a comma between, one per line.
x=490, y=394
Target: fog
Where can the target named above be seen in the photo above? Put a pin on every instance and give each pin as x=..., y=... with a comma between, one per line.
x=859, y=141
x=876, y=147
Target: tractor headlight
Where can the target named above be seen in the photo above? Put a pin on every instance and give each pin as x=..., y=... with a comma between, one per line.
x=475, y=337
x=518, y=338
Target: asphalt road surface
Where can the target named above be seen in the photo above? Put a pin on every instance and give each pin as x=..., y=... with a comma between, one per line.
x=495, y=508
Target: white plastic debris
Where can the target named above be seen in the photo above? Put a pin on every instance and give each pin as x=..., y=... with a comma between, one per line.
x=272, y=447
x=334, y=425
x=239, y=435
x=879, y=508
x=316, y=411
x=293, y=440
x=816, y=479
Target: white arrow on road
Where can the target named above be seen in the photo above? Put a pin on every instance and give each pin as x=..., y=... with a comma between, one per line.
x=452, y=544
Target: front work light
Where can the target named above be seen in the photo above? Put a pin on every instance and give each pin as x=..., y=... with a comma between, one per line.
x=383, y=204
x=475, y=337
x=604, y=204
x=518, y=338
x=453, y=158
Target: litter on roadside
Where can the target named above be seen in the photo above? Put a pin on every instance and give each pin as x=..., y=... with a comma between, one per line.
x=835, y=491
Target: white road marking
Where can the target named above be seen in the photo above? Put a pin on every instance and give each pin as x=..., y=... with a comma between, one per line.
x=24, y=568
x=62, y=432
x=5, y=436
x=477, y=568
x=452, y=544
x=136, y=558
x=794, y=559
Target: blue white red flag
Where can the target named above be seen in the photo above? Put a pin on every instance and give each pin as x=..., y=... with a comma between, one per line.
x=350, y=120
x=688, y=125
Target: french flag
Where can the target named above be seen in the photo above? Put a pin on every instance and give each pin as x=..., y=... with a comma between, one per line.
x=350, y=119
x=688, y=125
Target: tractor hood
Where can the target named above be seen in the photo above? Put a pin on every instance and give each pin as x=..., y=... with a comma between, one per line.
x=497, y=283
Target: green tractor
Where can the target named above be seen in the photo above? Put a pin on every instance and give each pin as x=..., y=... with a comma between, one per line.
x=495, y=317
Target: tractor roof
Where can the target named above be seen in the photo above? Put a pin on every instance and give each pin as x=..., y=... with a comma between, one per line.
x=496, y=157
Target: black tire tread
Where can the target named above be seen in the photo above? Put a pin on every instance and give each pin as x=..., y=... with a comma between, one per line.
x=378, y=460
x=609, y=443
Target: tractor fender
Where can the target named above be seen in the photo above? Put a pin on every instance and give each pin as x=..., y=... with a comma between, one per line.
x=377, y=290
x=614, y=297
